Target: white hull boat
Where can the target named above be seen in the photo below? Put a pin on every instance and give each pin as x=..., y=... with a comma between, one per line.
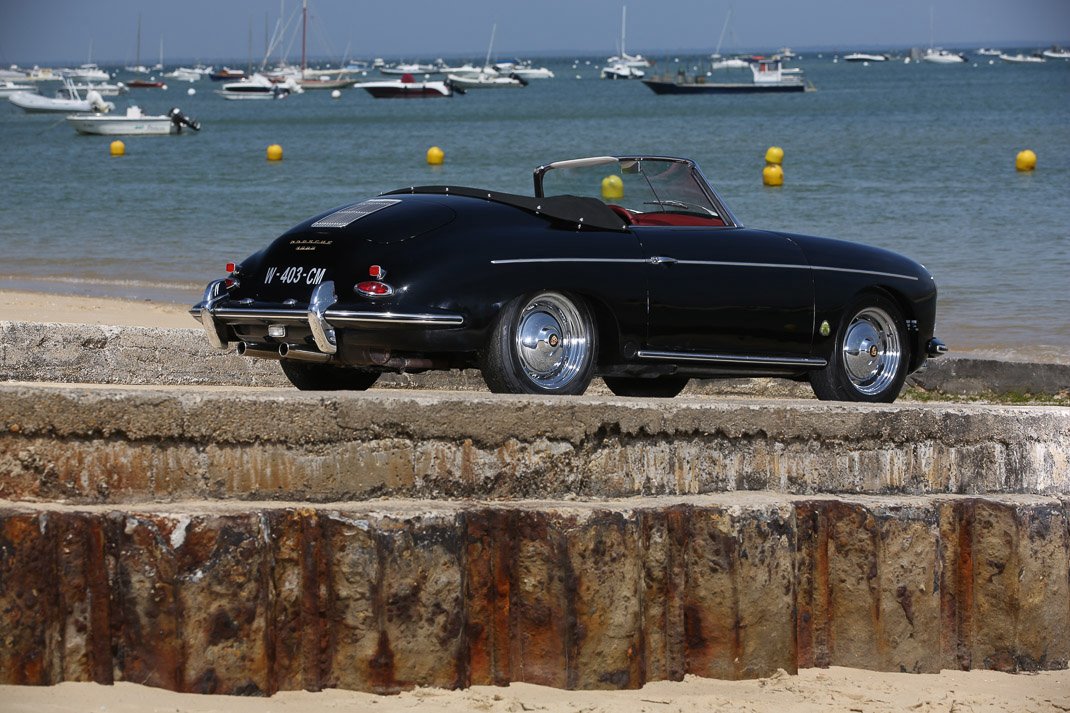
x=864, y=57
x=88, y=73
x=942, y=57
x=1056, y=53
x=485, y=80
x=622, y=71
x=37, y=104
x=133, y=123
x=731, y=63
x=258, y=87
x=105, y=90
x=1022, y=59
x=7, y=88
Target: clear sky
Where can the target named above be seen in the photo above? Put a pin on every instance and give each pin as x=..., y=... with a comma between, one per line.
x=62, y=31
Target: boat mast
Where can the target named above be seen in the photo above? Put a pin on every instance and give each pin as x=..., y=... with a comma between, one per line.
x=724, y=28
x=490, y=47
x=304, y=28
x=137, y=54
x=623, y=24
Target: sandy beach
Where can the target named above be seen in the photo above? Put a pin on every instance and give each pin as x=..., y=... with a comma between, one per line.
x=834, y=689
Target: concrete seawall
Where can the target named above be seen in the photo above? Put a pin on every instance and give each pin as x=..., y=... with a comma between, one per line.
x=248, y=541
x=133, y=445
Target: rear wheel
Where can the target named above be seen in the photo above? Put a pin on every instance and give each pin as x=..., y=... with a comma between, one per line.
x=869, y=361
x=543, y=343
x=326, y=377
x=664, y=387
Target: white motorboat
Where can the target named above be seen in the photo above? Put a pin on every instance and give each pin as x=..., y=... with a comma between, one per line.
x=35, y=103
x=88, y=72
x=485, y=80
x=410, y=68
x=259, y=87
x=730, y=63
x=622, y=71
x=939, y=56
x=132, y=123
x=185, y=74
x=8, y=87
x=524, y=70
x=1022, y=58
x=407, y=88
x=989, y=52
x=104, y=89
x=865, y=57
x=1056, y=52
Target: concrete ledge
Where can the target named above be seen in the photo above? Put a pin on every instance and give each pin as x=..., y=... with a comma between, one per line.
x=123, y=445
x=256, y=598
x=140, y=355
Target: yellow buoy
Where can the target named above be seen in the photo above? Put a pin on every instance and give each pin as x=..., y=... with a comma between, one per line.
x=612, y=188
x=1025, y=160
x=274, y=152
x=435, y=156
x=774, y=155
x=118, y=148
x=773, y=175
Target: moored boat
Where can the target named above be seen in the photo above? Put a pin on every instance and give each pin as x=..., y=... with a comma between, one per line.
x=1022, y=58
x=621, y=70
x=865, y=57
x=226, y=75
x=939, y=56
x=407, y=88
x=258, y=87
x=1056, y=52
x=133, y=123
x=485, y=80
x=768, y=76
x=36, y=104
x=8, y=87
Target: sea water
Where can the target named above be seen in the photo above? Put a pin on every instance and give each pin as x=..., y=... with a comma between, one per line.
x=916, y=158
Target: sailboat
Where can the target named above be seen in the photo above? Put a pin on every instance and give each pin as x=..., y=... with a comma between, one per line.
x=488, y=76
x=732, y=62
x=138, y=68
x=936, y=55
x=628, y=60
x=314, y=80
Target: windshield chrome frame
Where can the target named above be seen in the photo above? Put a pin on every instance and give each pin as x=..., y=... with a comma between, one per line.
x=721, y=207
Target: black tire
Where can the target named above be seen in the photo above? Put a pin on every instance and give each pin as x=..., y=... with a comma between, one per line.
x=870, y=356
x=326, y=377
x=663, y=387
x=542, y=343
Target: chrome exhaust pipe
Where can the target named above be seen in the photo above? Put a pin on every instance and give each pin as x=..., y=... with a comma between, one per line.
x=258, y=351
x=296, y=353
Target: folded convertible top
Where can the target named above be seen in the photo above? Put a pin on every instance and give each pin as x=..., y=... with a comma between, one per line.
x=582, y=211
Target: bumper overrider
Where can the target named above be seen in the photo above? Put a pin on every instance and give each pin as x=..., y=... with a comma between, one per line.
x=218, y=309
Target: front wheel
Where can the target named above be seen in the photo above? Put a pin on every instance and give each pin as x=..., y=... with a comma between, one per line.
x=326, y=377
x=543, y=343
x=870, y=357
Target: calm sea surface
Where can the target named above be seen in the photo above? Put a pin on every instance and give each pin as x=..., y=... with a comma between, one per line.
x=917, y=158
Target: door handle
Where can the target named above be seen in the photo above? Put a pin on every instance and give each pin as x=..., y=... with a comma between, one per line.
x=662, y=260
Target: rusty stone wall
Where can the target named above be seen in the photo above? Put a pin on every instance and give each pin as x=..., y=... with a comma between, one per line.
x=136, y=445
x=383, y=596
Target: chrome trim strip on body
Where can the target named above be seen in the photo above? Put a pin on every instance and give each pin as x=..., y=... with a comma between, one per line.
x=715, y=263
x=732, y=359
x=337, y=316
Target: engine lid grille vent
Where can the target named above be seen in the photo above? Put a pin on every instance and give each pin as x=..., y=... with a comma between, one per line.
x=344, y=216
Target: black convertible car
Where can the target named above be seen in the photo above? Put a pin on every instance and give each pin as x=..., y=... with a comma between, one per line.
x=628, y=268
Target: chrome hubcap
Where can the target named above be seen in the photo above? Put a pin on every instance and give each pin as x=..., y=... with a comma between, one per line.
x=871, y=351
x=552, y=343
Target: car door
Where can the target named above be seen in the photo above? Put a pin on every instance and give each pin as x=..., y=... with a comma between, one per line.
x=727, y=291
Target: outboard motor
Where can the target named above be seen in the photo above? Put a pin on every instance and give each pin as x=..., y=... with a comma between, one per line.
x=179, y=119
x=517, y=77
x=97, y=103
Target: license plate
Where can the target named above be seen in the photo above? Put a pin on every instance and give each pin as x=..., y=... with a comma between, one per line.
x=295, y=275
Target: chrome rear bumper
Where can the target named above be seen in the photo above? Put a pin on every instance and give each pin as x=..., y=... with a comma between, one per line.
x=318, y=316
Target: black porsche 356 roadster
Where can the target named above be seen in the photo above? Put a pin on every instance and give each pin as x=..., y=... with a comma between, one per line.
x=628, y=268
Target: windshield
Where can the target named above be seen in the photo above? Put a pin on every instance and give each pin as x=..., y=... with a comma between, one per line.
x=651, y=191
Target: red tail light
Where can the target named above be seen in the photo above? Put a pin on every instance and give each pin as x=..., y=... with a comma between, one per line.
x=373, y=288
x=231, y=267
x=377, y=272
